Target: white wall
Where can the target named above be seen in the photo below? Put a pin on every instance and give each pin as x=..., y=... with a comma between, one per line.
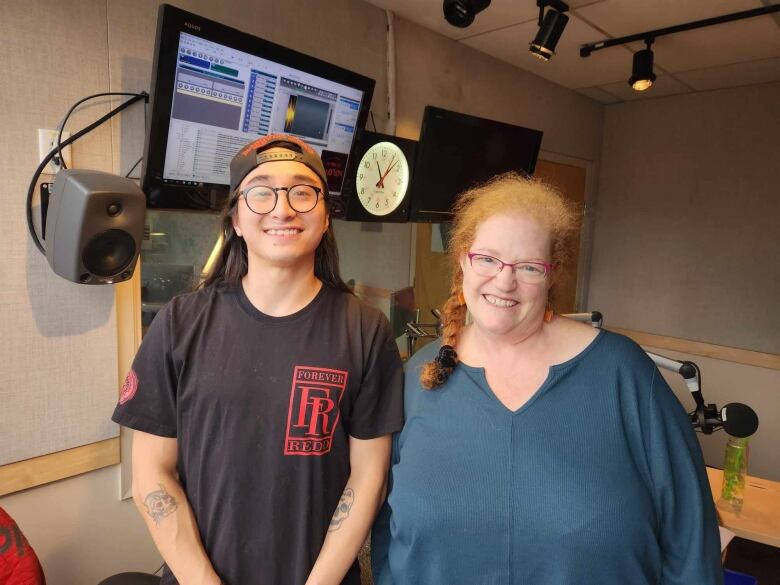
x=686, y=239
x=66, y=49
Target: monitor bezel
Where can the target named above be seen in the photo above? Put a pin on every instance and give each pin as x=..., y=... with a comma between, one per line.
x=173, y=21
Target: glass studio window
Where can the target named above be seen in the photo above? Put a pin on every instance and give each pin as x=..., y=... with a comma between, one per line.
x=175, y=250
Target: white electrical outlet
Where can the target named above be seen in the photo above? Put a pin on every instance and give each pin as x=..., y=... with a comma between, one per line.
x=47, y=140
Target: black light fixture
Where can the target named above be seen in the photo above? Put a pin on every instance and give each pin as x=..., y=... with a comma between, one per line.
x=461, y=13
x=551, y=27
x=642, y=76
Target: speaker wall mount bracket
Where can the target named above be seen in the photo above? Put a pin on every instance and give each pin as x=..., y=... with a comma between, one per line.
x=45, y=196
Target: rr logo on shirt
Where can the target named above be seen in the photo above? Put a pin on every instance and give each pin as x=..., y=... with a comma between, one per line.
x=314, y=410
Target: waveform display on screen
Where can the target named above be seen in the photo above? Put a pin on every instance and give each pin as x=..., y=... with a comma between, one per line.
x=289, y=116
x=306, y=116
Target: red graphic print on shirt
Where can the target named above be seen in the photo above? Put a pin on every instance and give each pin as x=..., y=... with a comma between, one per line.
x=314, y=410
x=129, y=387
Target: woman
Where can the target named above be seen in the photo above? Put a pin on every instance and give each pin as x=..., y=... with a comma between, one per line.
x=537, y=450
x=263, y=403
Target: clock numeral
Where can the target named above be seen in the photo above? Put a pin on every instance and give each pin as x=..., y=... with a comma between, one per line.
x=384, y=153
x=367, y=165
x=387, y=203
x=373, y=155
x=360, y=176
x=377, y=203
x=362, y=190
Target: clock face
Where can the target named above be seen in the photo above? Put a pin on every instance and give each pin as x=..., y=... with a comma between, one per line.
x=382, y=178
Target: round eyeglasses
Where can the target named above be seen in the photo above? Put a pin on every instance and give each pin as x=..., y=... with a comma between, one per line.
x=527, y=272
x=262, y=199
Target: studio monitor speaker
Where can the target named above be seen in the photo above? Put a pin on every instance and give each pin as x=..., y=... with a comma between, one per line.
x=94, y=226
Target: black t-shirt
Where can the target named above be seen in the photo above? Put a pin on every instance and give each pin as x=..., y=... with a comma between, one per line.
x=262, y=408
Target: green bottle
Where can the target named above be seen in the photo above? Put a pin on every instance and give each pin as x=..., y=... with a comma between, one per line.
x=734, y=472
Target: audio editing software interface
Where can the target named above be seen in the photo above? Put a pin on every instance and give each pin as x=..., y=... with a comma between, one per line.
x=225, y=98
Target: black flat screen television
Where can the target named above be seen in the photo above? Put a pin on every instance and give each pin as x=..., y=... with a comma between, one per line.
x=457, y=151
x=215, y=88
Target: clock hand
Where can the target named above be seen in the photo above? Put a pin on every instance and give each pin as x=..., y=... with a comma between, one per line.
x=381, y=183
x=392, y=164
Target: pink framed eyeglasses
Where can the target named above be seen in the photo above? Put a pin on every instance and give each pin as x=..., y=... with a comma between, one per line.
x=528, y=272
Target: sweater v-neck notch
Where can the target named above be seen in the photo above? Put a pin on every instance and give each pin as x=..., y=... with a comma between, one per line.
x=552, y=371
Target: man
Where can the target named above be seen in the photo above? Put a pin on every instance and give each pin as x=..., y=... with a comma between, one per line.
x=263, y=403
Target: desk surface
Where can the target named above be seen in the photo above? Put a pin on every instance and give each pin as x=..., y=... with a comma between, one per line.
x=759, y=519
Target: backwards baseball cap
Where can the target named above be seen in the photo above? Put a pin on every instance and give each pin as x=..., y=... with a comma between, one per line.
x=253, y=155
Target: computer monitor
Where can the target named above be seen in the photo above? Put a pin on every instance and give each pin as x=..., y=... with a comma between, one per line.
x=457, y=151
x=214, y=89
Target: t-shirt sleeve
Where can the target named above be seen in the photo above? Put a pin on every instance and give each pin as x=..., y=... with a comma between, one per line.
x=147, y=401
x=689, y=537
x=378, y=406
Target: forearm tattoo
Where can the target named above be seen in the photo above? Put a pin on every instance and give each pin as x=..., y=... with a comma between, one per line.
x=160, y=504
x=342, y=510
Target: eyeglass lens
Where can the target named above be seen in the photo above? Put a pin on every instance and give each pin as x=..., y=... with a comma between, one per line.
x=262, y=199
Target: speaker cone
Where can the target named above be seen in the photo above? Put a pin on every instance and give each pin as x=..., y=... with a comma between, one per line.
x=109, y=253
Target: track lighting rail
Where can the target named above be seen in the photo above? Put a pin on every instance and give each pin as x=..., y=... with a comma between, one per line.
x=589, y=48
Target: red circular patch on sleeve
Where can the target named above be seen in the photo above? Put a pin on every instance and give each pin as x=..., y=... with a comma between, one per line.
x=129, y=387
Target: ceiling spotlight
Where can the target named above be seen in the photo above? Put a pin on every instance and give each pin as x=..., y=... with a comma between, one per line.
x=642, y=76
x=551, y=27
x=461, y=13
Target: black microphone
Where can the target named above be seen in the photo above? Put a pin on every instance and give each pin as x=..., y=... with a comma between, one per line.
x=738, y=420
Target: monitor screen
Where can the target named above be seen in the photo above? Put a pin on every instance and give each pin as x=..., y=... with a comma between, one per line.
x=457, y=151
x=216, y=89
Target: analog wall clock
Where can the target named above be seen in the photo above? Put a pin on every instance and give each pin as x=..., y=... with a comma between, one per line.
x=381, y=176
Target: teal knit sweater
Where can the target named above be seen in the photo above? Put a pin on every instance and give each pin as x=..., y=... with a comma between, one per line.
x=597, y=479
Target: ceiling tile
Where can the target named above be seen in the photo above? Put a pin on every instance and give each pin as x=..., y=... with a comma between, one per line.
x=430, y=14
x=503, y=13
x=663, y=86
x=506, y=27
x=749, y=73
x=598, y=94
x=566, y=67
x=619, y=18
x=500, y=14
x=426, y=13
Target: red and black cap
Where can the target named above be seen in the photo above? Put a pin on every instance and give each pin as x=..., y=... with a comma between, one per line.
x=253, y=155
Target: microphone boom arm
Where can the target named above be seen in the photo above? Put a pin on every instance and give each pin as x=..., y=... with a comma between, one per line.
x=705, y=416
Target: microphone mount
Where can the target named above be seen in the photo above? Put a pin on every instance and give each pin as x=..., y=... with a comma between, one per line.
x=705, y=417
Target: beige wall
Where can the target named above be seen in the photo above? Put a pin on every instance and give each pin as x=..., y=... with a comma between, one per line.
x=64, y=336
x=686, y=236
x=41, y=314
x=81, y=531
x=686, y=239
x=436, y=71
